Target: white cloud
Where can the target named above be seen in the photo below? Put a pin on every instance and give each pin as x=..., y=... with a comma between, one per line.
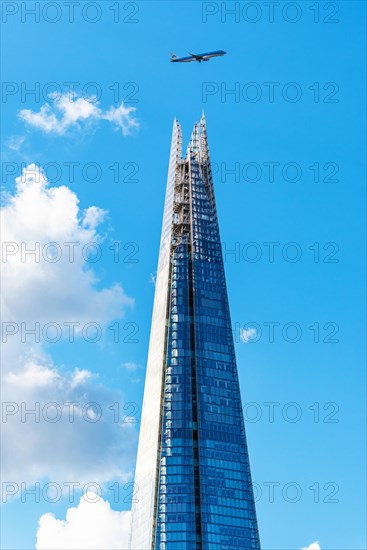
x=69, y=111
x=131, y=366
x=313, y=546
x=248, y=335
x=122, y=117
x=86, y=443
x=89, y=526
x=79, y=377
x=15, y=142
x=34, y=375
x=37, y=290
x=93, y=217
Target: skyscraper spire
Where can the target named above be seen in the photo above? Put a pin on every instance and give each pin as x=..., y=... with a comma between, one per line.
x=193, y=480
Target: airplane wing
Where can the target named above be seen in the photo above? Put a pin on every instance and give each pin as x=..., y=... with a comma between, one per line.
x=197, y=57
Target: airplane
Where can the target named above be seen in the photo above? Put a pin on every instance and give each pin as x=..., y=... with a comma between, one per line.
x=196, y=57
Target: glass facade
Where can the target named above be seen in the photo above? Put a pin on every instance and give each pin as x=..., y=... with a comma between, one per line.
x=200, y=494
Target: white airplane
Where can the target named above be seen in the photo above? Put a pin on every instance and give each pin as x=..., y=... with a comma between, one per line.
x=196, y=57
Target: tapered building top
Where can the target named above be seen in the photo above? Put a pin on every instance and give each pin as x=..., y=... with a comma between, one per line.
x=193, y=481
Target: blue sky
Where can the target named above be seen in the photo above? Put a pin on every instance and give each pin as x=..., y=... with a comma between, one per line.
x=317, y=141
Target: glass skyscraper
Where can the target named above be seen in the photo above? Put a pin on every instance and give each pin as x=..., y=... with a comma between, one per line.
x=193, y=481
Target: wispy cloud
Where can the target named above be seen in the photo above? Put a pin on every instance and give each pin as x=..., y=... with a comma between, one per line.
x=69, y=112
x=15, y=142
x=131, y=366
x=248, y=334
x=93, y=217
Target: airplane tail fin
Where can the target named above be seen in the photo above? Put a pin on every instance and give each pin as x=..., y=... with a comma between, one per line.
x=173, y=55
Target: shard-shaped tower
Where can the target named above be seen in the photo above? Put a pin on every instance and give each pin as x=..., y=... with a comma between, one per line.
x=193, y=481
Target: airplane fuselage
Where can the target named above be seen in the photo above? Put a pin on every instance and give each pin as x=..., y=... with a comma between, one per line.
x=197, y=57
